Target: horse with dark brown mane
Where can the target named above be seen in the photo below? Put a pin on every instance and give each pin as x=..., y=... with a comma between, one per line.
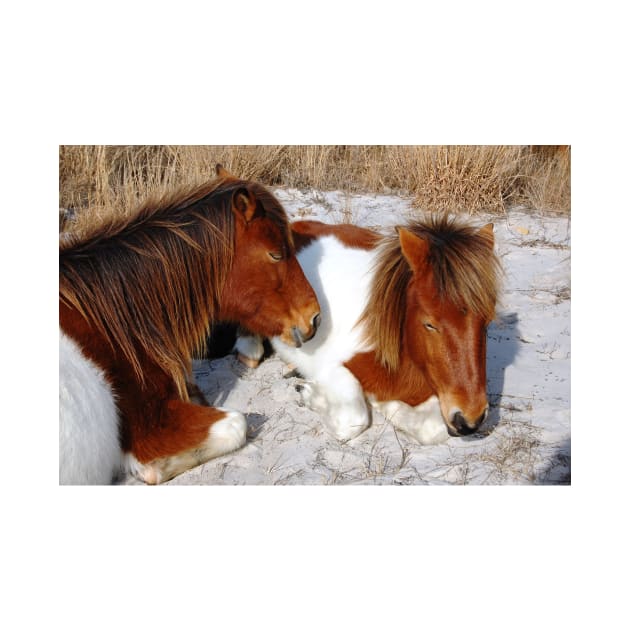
x=403, y=325
x=137, y=297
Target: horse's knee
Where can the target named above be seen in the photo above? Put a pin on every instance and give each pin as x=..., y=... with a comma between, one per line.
x=313, y=397
x=349, y=421
x=433, y=431
x=227, y=435
x=429, y=427
x=340, y=400
x=423, y=422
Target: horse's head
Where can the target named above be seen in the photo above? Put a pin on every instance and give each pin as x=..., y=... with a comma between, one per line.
x=266, y=290
x=446, y=322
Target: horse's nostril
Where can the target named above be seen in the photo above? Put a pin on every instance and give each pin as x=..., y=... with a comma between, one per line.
x=316, y=321
x=297, y=336
x=482, y=417
x=461, y=426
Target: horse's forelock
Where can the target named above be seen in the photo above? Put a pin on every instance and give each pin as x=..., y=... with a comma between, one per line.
x=464, y=267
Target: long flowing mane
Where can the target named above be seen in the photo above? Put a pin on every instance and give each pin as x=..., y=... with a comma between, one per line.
x=152, y=281
x=465, y=269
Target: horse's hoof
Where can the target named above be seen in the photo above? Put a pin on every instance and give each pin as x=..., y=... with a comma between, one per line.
x=292, y=373
x=151, y=476
x=346, y=434
x=248, y=361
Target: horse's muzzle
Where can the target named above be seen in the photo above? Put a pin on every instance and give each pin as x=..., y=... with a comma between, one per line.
x=460, y=426
x=299, y=337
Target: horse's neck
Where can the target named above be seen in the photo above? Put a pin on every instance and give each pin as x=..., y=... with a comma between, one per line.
x=407, y=383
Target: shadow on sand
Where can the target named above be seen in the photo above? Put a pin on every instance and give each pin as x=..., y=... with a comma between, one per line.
x=219, y=370
x=502, y=349
x=558, y=470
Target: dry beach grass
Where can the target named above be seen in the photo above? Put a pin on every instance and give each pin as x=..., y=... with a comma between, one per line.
x=97, y=180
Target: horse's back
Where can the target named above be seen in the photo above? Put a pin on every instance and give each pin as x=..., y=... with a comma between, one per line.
x=304, y=232
x=89, y=449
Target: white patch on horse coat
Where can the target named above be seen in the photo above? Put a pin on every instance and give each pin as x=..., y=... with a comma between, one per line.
x=89, y=449
x=423, y=422
x=224, y=436
x=339, y=398
x=341, y=278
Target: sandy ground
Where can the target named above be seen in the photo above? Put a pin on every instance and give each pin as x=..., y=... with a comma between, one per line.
x=527, y=437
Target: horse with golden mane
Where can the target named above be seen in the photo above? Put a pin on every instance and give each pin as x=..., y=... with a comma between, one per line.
x=403, y=326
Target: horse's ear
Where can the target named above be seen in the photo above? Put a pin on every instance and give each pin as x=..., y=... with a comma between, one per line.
x=222, y=172
x=244, y=204
x=488, y=231
x=414, y=248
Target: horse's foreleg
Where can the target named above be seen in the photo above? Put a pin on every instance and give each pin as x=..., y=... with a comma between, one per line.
x=249, y=350
x=188, y=435
x=338, y=396
x=423, y=422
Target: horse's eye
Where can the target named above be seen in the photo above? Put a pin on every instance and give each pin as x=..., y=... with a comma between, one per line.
x=276, y=255
x=430, y=327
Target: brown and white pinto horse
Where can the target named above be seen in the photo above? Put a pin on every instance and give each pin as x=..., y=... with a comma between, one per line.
x=403, y=323
x=137, y=297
